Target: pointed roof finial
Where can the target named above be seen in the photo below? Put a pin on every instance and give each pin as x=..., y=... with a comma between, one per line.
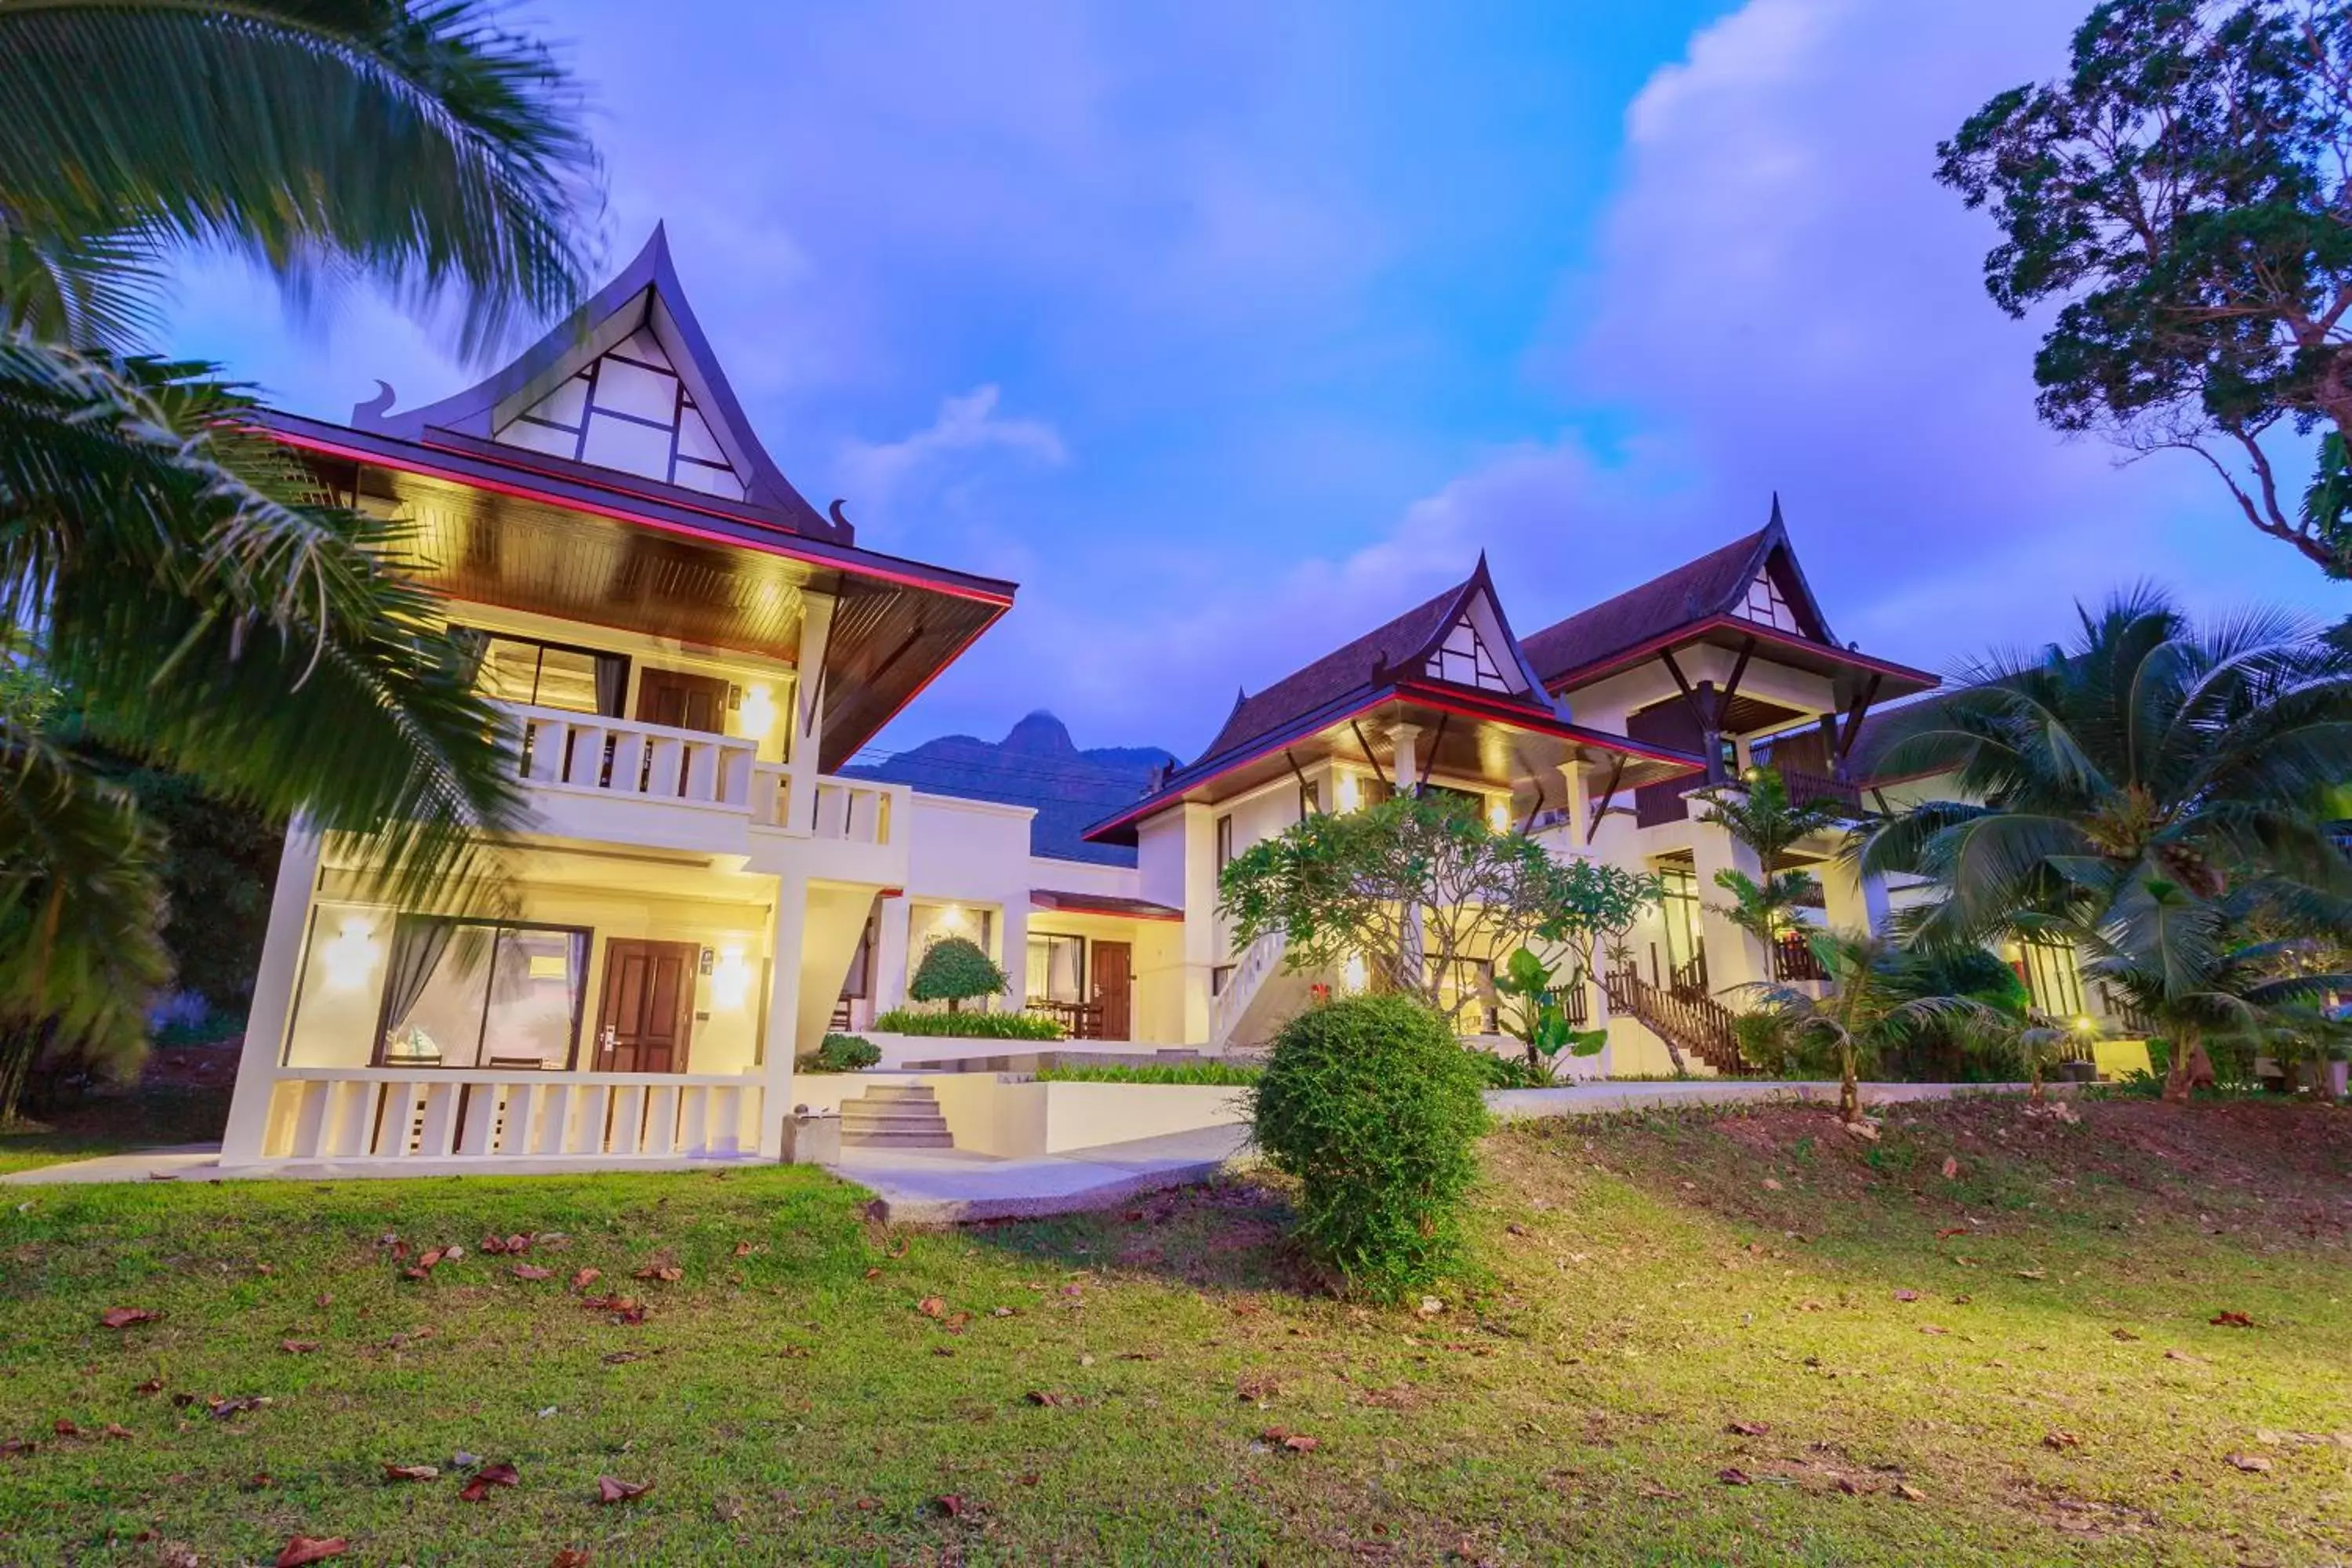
x=1776, y=509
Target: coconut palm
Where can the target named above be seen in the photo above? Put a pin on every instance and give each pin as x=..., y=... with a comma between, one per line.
x=2144, y=794
x=170, y=581
x=1760, y=815
x=1869, y=1005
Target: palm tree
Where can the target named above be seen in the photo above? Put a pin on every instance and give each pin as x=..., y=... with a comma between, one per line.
x=170, y=579
x=1867, y=1009
x=2146, y=794
x=1761, y=816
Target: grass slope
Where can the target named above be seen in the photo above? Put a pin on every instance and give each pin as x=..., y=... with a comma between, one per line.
x=813, y=1388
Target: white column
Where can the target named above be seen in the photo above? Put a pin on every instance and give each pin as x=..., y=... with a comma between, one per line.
x=273, y=996
x=1743, y=754
x=1406, y=767
x=1853, y=902
x=1203, y=950
x=894, y=920
x=1012, y=948
x=808, y=708
x=1732, y=956
x=779, y=1036
x=1580, y=806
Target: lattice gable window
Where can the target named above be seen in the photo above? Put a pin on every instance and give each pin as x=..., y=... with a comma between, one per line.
x=629, y=409
x=1464, y=660
x=1766, y=607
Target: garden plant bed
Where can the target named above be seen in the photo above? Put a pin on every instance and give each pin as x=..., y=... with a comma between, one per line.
x=1741, y=1337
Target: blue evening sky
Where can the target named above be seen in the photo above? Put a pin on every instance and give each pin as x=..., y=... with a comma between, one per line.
x=1230, y=330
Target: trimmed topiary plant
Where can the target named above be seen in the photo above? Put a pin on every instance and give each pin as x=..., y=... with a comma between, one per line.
x=1374, y=1107
x=955, y=971
x=841, y=1053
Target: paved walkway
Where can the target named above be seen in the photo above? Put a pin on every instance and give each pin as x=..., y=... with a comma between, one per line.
x=944, y=1187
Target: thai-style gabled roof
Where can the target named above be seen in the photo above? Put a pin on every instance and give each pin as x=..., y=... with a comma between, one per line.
x=625, y=386
x=1412, y=647
x=1755, y=578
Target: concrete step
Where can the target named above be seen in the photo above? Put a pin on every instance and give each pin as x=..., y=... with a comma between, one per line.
x=895, y=1116
x=852, y=1137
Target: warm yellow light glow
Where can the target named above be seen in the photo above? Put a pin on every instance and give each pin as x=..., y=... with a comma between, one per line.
x=758, y=714
x=730, y=979
x=951, y=917
x=1350, y=796
x=1351, y=973
x=2087, y=1023
x=1498, y=814
x=351, y=958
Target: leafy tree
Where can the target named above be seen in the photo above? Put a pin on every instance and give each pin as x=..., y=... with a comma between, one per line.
x=2186, y=192
x=2147, y=794
x=169, y=576
x=1760, y=814
x=1415, y=885
x=955, y=971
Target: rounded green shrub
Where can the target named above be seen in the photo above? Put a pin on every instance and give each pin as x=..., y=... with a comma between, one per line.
x=842, y=1053
x=955, y=971
x=1373, y=1106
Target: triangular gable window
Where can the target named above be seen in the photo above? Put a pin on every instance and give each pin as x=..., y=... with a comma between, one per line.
x=1462, y=659
x=1766, y=606
x=628, y=409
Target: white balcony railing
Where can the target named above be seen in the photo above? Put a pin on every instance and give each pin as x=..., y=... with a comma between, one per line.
x=851, y=811
x=390, y=1114
x=589, y=753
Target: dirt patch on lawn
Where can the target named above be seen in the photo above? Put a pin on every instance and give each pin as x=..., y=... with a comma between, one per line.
x=2274, y=1172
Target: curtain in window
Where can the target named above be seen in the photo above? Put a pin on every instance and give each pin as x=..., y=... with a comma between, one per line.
x=418, y=943
x=472, y=644
x=611, y=684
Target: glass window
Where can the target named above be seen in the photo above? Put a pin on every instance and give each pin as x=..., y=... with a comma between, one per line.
x=468, y=994
x=2050, y=978
x=548, y=674
x=1057, y=968
x=1224, y=842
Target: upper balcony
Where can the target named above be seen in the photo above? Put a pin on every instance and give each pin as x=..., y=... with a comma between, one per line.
x=1654, y=804
x=620, y=781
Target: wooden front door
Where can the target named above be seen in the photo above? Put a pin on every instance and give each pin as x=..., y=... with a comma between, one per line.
x=682, y=701
x=1111, y=978
x=648, y=1005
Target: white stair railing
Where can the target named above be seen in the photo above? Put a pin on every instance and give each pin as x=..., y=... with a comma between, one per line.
x=1259, y=959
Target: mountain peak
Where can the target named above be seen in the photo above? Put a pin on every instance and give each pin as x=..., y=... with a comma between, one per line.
x=1039, y=733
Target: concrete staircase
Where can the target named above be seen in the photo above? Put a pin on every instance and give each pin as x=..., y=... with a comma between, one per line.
x=895, y=1116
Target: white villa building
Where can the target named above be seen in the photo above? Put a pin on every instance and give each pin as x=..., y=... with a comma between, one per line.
x=690, y=653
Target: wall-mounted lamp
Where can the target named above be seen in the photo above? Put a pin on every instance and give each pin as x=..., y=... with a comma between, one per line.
x=1352, y=975
x=1350, y=796
x=349, y=959
x=730, y=979
x=758, y=714
x=1498, y=814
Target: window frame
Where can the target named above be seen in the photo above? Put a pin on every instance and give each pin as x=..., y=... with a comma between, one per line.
x=541, y=646
x=481, y=1026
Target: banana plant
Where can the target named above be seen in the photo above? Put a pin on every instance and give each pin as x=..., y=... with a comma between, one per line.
x=1537, y=1019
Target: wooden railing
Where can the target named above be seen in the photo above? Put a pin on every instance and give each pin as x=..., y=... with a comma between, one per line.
x=1668, y=802
x=2124, y=1011
x=390, y=1114
x=1793, y=958
x=592, y=754
x=1805, y=788
x=1697, y=1025
x=1689, y=979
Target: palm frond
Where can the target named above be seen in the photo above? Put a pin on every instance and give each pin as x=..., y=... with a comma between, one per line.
x=420, y=144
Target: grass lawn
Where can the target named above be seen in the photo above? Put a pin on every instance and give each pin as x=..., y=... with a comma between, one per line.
x=1697, y=1339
